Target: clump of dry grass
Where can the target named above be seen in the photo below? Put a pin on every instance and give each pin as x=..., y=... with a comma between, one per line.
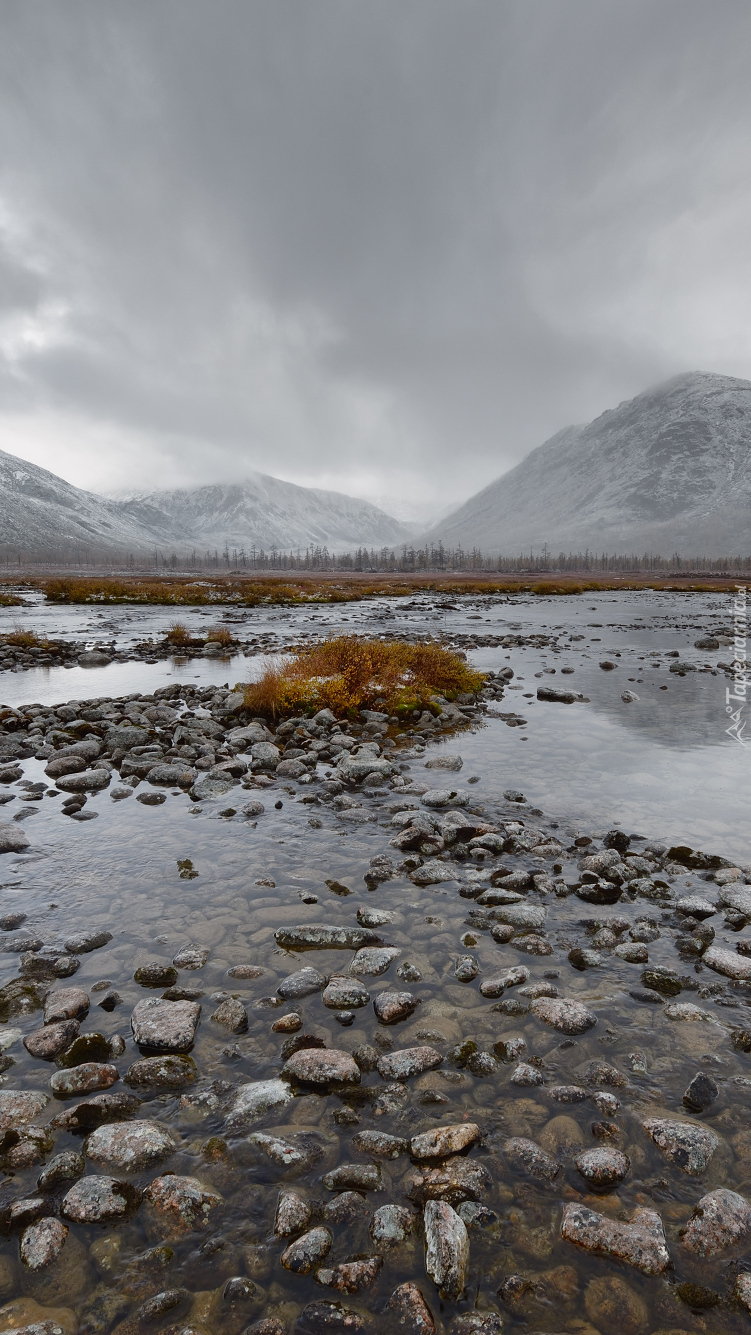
x=220, y=635
x=178, y=634
x=24, y=639
x=347, y=673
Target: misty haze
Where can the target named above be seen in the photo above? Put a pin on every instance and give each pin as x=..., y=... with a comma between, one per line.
x=364, y=368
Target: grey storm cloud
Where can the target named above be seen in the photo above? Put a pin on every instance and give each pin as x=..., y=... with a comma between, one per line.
x=386, y=246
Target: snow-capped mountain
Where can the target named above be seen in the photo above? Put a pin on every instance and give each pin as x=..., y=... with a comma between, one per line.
x=669, y=470
x=265, y=512
x=43, y=516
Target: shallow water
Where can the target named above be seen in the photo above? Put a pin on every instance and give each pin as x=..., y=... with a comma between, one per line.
x=657, y=766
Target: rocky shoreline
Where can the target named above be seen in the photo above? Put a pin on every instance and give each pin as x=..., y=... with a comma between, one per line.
x=538, y=1118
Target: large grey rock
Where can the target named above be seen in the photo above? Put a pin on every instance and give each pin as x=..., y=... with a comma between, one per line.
x=168, y=1026
x=720, y=1220
x=322, y=1066
x=343, y=993
x=19, y=1107
x=444, y=797
x=12, y=838
x=444, y=1141
x=521, y=915
x=726, y=962
x=356, y=768
x=409, y=1312
x=433, y=872
x=407, y=1062
x=526, y=1156
x=303, y=983
x=391, y=1224
x=206, y=788
x=690, y=1145
x=42, y=1243
x=302, y=1255
x=253, y=1101
x=565, y=1014
x=94, y=1200
x=90, y=781
x=130, y=1146
x=603, y=1168
x=325, y=937
x=293, y=1214
x=446, y=1249
x=176, y=1205
x=640, y=1242
x=66, y=1003
x=265, y=755
x=374, y=960
x=84, y=1079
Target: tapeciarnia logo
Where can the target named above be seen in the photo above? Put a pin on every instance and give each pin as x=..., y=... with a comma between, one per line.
x=735, y=699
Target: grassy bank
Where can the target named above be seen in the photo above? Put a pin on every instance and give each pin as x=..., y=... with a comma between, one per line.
x=247, y=591
x=347, y=674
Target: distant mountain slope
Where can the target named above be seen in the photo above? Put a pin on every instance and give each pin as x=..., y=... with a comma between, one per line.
x=668, y=470
x=43, y=515
x=265, y=512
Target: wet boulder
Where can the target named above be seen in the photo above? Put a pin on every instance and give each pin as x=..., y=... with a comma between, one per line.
x=689, y=1145
x=175, y=1205
x=167, y=1026
x=446, y=1249
x=721, y=1220
x=640, y=1242
x=130, y=1146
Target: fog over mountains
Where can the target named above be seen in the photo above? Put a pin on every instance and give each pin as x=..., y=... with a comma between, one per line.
x=669, y=470
x=41, y=515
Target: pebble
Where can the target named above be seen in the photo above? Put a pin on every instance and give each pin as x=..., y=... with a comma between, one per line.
x=390, y=1007
x=688, y=1144
x=42, y=1243
x=254, y=1100
x=165, y=1072
x=408, y=1062
x=727, y=963
x=166, y=1025
x=444, y=1141
x=94, y=1200
x=96, y=1110
x=65, y=1167
x=231, y=1015
x=328, y=1318
x=701, y=1092
x=640, y=1242
x=526, y=1156
x=302, y=1255
x=47, y=1043
x=603, y=1169
x=180, y=1205
x=353, y=1177
x=446, y=1249
x=351, y=1276
x=391, y=1224
x=293, y=1214
x=66, y=1003
x=565, y=1014
x=84, y=1079
x=379, y=1144
x=527, y=1076
x=325, y=938
x=85, y=942
x=409, y=1312
x=322, y=1066
x=374, y=960
x=304, y=983
x=341, y=991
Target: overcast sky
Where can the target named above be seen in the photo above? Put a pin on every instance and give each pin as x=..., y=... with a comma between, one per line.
x=380, y=246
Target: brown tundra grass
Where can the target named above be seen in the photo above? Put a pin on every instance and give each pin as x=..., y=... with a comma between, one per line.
x=347, y=673
x=221, y=635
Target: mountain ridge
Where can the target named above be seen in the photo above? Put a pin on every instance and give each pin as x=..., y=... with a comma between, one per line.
x=667, y=470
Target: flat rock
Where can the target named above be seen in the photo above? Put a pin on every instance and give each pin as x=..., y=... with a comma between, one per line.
x=95, y=1111
x=446, y=760
x=64, y=1167
x=521, y=915
x=231, y=1015
x=701, y=1092
x=406, y=1062
x=328, y=1319
x=565, y=1014
x=720, y=1220
x=444, y=1141
x=207, y=787
x=689, y=1145
x=297, y=1153
x=169, y=1026
x=736, y=897
x=190, y=957
x=94, y=1200
x=303, y=983
x=322, y=1066
x=446, y=1249
x=351, y=1276
x=20, y=1107
x=325, y=938
x=169, y=1071
x=727, y=963
x=48, y=1042
x=640, y=1243
x=84, y=942
x=379, y=1144
x=253, y=1101
x=66, y=1003
x=433, y=872
x=90, y=781
x=84, y=1079
x=695, y=907
x=444, y=797
x=354, y=1177
x=130, y=1146
x=12, y=838
x=180, y=1205
x=343, y=993
x=390, y=1007
x=374, y=960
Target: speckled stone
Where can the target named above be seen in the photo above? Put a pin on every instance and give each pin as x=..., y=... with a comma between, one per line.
x=720, y=1220
x=97, y=1199
x=257, y=1098
x=179, y=1205
x=603, y=1168
x=409, y=1311
x=42, y=1243
x=526, y=1156
x=293, y=1214
x=302, y=1255
x=640, y=1243
x=446, y=1249
x=565, y=1014
x=689, y=1145
x=390, y=1007
x=84, y=1079
x=47, y=1043
x=407, y=1062
x=322, y=1066
x=391, y=1224
x=444, y=1141
x=19, y=1107
x=130, y=1146
x=351, y=1276
x=169, y=1026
